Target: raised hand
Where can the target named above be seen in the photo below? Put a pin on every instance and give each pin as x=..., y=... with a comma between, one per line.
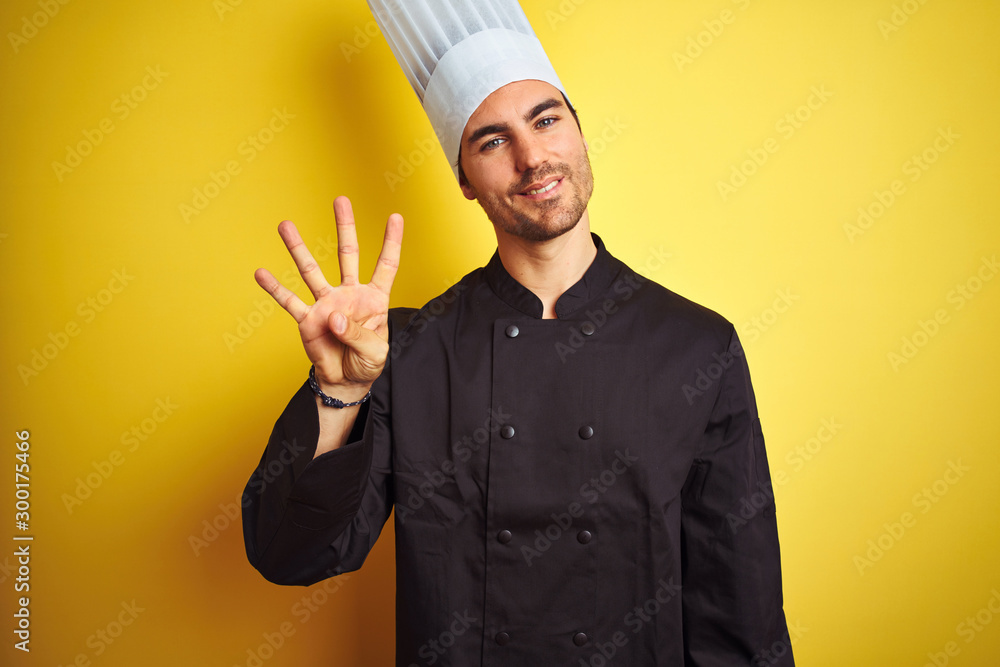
x=345, y=332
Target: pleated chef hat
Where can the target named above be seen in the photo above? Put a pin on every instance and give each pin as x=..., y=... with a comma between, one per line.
x=455, y=53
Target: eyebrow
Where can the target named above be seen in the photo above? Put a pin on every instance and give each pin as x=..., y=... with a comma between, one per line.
x=498, y=128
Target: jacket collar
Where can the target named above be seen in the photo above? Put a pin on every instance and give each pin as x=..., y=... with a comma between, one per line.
x=594, y=284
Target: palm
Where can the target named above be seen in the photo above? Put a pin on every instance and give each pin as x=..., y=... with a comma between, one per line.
x=364, y=304
x=354, y=351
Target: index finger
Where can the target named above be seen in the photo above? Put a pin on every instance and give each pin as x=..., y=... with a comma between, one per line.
x=285, y=297
x=388, y=258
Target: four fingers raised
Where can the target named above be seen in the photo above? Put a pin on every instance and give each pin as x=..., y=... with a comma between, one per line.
x=348, y=253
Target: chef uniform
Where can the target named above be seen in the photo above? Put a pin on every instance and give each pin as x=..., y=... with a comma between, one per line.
x=586, y=490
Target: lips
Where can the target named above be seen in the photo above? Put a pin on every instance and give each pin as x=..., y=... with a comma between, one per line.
x=543, y=187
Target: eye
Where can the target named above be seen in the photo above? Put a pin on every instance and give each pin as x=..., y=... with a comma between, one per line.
x=492, y=143
x=548, y=121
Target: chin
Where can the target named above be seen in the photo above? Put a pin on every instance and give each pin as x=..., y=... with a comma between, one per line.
x=532, y=231
x=557, y=218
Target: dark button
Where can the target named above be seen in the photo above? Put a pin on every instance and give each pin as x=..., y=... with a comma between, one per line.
x=588, y=328
x=580, y=639
x=507, y=432
x=502, y=638
x=512, y=331
x=583, y=537
x=504, y=536
x=586, y=432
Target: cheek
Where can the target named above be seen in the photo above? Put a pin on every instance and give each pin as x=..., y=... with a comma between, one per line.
x=491, y=176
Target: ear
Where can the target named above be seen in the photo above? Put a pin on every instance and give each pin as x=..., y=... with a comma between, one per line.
x=467, y=189
x=586, y=146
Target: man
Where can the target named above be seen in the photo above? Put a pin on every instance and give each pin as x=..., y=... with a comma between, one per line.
x=567, y=446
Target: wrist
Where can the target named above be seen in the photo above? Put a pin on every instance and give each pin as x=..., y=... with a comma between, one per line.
x=338, y=395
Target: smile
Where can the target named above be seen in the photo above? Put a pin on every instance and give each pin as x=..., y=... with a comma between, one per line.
x=545, y=191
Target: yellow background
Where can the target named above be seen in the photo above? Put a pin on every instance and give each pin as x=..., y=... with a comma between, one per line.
x=183, y=329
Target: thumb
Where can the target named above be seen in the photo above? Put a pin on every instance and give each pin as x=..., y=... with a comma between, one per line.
x=367, y=344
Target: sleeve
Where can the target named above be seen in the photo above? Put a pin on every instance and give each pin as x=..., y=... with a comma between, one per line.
x=732, y=599
x=306, y=519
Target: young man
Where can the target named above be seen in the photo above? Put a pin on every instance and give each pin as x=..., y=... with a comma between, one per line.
x=563, y=483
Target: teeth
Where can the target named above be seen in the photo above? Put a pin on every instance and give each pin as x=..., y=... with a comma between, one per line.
x=545, y=189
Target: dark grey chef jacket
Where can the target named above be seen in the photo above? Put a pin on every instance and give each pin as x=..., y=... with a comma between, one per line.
x=586, y=490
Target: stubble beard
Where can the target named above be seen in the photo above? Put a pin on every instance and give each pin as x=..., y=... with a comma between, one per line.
x=548, y=221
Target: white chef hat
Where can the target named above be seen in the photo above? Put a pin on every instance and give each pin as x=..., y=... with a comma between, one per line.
x=455, y=53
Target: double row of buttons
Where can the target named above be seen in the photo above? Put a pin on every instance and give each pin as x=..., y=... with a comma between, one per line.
x=587, y=329
x=580, y=638
x=583, y=537
x=585, y=432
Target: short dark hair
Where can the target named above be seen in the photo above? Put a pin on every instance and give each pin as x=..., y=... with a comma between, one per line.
x=461, y=172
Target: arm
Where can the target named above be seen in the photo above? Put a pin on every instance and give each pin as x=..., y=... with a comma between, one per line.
x=316, y=486
x=732, y=596
x=305, y=518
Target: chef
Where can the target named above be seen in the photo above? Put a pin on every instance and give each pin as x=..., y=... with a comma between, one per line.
x=573, y=452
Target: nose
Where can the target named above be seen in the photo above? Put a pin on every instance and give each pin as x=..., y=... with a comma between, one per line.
x=530, y=152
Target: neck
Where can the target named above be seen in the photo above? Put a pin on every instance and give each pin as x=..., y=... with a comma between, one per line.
x=549, y=268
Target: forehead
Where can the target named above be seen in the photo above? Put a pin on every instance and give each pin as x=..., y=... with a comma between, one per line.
x=509, y=103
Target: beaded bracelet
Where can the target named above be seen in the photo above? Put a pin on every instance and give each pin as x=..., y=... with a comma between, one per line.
x=329, y=401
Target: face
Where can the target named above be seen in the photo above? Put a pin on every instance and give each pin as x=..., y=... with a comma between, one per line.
x=526, y=163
